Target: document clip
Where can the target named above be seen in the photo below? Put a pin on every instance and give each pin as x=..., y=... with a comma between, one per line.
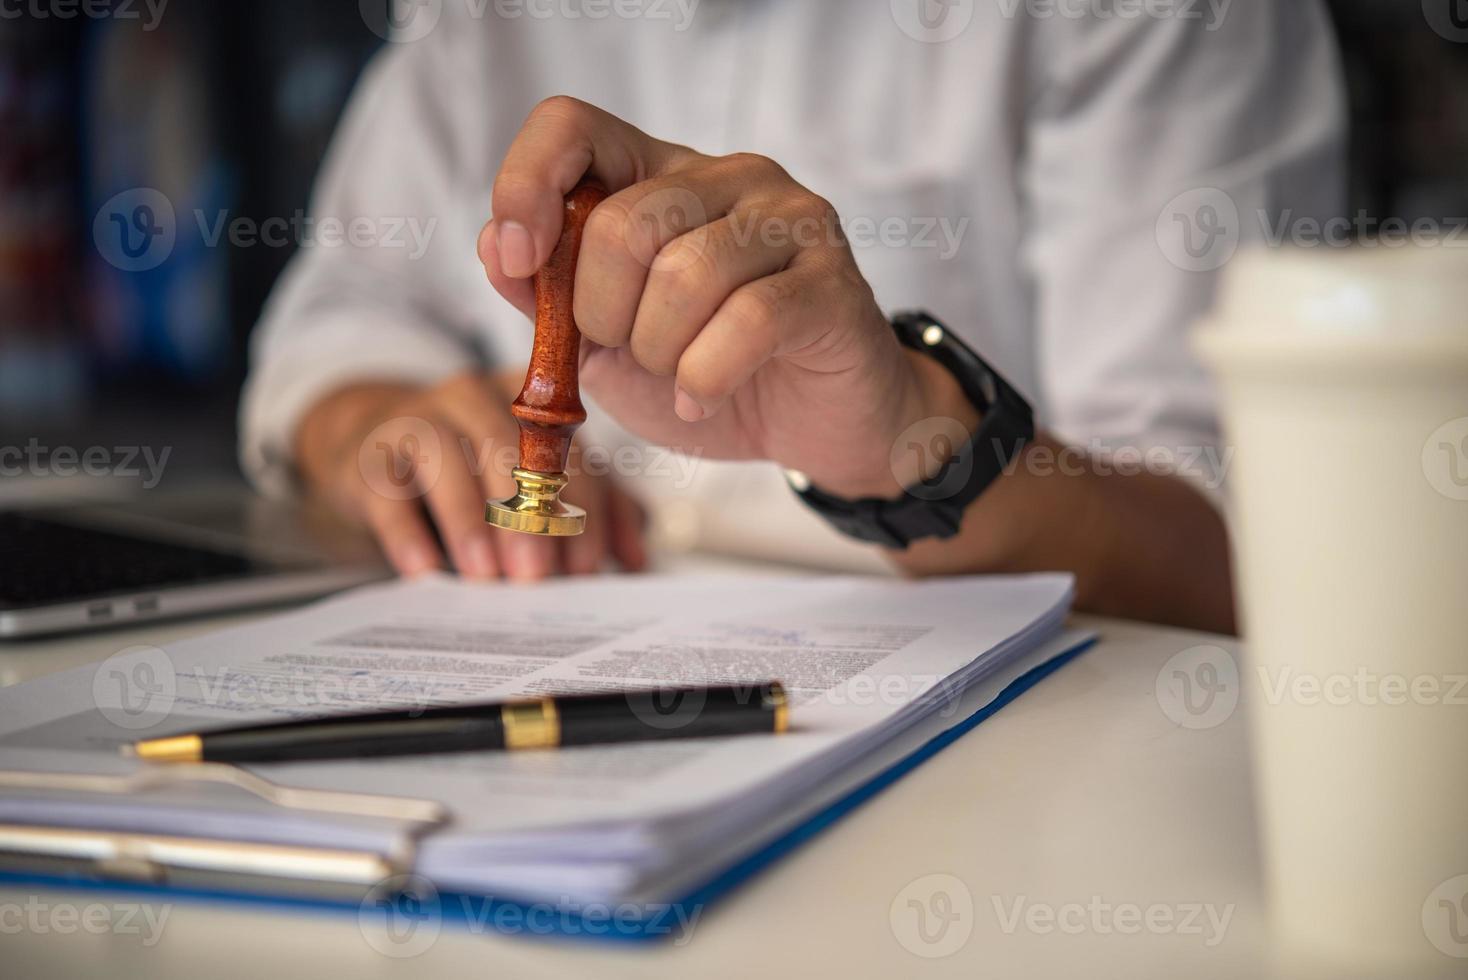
x=211, y=863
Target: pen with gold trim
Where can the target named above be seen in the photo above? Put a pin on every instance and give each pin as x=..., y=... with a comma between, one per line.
x=623, y=716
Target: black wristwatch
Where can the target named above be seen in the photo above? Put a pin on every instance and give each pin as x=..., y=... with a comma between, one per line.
x=934, y=507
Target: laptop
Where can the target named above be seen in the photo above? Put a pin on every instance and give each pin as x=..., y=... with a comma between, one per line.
x=98, y=566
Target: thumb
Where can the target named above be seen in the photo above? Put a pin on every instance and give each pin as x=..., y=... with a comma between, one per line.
x=562, y=141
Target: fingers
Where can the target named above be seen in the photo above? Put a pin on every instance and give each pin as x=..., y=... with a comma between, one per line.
x=402, y=531
x=520, y=292
x=526, y=557
x=761, y=320
x=430, y=460
x=562, y=141
x=614, y=528
x=693, y=276
x=475, y=406
x=584, y=553
x=415, y=461
x=630, y=237
x=626, y=525
x=456, y=502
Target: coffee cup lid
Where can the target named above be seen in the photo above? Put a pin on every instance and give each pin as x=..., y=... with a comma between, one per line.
x=1336, y=303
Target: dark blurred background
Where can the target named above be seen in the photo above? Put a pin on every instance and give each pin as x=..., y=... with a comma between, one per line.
x=227, y=106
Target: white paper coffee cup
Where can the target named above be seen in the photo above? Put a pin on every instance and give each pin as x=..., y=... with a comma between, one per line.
x=1344, y=376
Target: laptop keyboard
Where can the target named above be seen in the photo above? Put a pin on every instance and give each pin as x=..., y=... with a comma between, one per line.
x=45, y=562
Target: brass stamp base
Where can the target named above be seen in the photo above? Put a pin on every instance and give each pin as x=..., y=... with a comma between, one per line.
x=537, y=507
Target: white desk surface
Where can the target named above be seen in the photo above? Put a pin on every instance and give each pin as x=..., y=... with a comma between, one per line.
x=1079, y=798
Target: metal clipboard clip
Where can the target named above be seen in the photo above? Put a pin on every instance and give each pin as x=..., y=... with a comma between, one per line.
x=213, y=863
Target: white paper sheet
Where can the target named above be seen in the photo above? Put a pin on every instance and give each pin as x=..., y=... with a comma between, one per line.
x=863, y=659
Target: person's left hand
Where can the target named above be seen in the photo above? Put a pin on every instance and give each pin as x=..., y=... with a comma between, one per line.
x=722, y=308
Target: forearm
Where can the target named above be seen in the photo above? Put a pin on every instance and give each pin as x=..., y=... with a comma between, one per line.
x=1144, y=546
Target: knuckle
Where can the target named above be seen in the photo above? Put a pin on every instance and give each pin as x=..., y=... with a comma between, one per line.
x=759, y=165
x=654, y=355
x=814, y=218
x=606, y=228
x=597, y=326
x=647, y=229
x=753, y=310
x=832, y=265
x=824, y=211
x=819, y=205
x=687, y=268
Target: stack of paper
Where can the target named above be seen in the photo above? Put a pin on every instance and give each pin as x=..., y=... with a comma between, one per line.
x=865, y=661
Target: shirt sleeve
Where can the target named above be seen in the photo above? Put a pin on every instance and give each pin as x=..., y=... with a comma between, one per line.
x=1155, y=148
x=384, y=284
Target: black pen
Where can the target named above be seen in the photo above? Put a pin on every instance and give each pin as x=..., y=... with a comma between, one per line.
x=624, y=716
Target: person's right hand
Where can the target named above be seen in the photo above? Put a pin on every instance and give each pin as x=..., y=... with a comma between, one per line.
x=397, y=457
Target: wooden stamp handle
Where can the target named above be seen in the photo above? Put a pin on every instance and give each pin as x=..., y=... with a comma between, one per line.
x=549, y=406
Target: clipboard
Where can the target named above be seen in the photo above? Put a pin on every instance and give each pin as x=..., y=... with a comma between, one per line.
x=282, y=875
x=330, y=874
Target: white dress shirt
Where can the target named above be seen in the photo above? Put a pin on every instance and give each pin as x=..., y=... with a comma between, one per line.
x=1017, y=180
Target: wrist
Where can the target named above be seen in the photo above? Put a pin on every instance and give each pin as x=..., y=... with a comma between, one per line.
x=934, y=419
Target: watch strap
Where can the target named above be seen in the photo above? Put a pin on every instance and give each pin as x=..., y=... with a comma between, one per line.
x=935, y=506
